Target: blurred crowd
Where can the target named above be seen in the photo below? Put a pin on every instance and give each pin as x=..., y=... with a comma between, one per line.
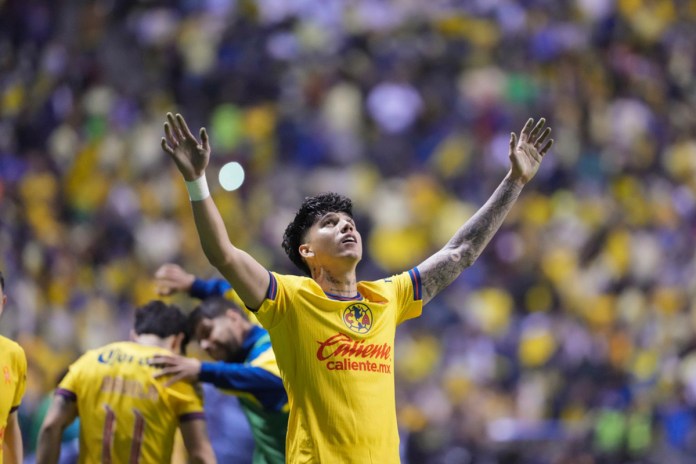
x=571, y=339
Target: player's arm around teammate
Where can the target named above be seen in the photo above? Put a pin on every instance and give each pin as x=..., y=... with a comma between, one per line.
x=526, y=153
x=171, y=278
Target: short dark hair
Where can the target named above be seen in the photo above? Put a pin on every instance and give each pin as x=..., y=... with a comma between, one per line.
x=2, y=282
x=310, y=211
x=159, y=318
x=210, y=308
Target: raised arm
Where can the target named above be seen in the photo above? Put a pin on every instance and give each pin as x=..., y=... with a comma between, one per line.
x=526, y=153
x=249, y=278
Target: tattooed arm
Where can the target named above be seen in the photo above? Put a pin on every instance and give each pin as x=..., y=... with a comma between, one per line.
x=60, y=414
x=526, y=153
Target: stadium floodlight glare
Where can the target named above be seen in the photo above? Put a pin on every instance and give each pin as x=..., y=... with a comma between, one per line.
x=231, y=176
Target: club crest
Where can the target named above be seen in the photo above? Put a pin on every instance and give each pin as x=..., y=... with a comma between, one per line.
x=358, y=318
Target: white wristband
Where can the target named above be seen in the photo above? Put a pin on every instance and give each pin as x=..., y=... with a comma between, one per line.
x=198, y=189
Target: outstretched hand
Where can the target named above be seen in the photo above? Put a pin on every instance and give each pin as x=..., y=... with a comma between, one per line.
x=190, y=155
x=178, y=367
x=172, y=278
x=527, y=151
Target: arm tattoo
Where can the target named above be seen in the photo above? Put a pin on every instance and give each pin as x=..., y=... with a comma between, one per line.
x=440, y=270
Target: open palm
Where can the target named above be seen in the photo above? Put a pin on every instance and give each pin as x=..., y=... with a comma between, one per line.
x=527, y=151
x=190, y=155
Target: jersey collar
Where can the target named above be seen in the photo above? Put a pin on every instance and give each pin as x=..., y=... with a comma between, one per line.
x=357, y=297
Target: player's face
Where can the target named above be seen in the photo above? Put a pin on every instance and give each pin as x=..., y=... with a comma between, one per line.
x=334, y=236
x=220, y=337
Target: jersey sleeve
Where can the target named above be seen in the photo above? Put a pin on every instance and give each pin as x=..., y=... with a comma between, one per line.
x=408, y=292
x=70, y=385
x=21, y=366
x=279, y=295
x=186, y=400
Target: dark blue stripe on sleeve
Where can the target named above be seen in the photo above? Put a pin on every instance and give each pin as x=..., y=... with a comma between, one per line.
x=67, y=394
x=266, y=387
x=272, y=287
x=14, y=408
x=417, y=285
x=191, y=416
x=202, y=289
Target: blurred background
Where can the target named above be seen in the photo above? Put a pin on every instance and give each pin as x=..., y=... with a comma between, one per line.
x=571, y=339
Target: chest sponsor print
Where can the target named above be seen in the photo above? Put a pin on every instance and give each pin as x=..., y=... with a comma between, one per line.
x=340, y=352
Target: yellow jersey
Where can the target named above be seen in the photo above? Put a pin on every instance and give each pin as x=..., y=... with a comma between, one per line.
x=336, y=358
x=13, y=377
x=126, y=415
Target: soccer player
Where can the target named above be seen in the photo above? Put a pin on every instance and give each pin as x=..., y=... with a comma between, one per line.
x=334, y=335
x=13, y=376
x=248, y=370
x=126, y=415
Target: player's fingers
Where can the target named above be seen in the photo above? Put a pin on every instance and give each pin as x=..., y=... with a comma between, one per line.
x=162, y=359
x=513, y=141
x=166, y=147
x=524, y=135
x=173, y=380
x=166, y=271
x=161, y=272
x=540, y=141
x=184, y=127
x=175, y=128
x=546, y=147
x=169, y=135
x=537, y=128
x=163, y=372
x=164, y=291
x=205, y=142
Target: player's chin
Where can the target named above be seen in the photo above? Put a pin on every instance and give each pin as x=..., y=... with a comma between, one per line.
x=352, y=254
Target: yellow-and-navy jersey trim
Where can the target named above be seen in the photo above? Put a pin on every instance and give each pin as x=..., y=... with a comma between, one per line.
x=272, y=291
x=417, y=283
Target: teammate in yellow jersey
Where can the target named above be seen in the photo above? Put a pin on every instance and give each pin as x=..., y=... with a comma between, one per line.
x=13, y=376
x=128, y=416
x=334, y=335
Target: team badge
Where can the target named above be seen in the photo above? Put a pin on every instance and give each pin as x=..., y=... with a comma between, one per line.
x=358, y=318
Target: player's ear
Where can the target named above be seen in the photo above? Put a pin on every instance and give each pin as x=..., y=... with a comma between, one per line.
x=306, y=251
